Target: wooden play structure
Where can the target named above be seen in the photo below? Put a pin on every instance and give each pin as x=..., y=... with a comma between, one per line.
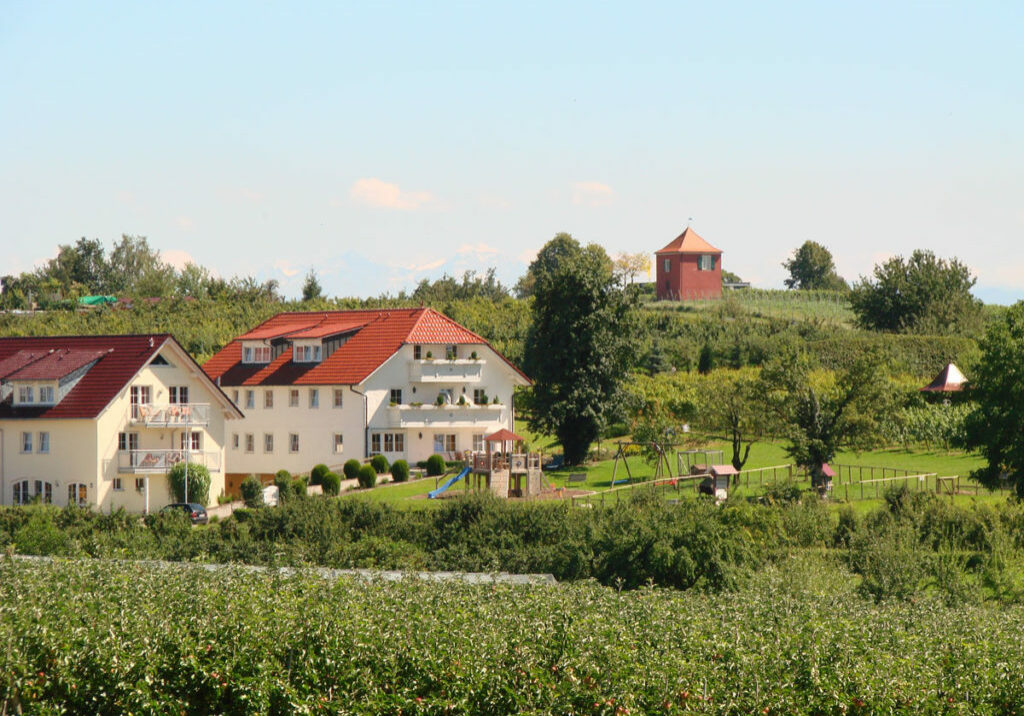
x=505, y=468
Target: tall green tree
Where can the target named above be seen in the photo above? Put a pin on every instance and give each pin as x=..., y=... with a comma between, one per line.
x=811, y=268
x=136, y=269
x=311, y=289
x=922, y=294
x=822, y=412
x=577, y=349
x=729, y=402
x=995, y=427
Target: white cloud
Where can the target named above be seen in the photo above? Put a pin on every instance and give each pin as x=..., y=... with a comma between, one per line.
x=374, y=192
x=480, y=250
x=286, y=268
x=428, y=266
x=184, y=223
x=591, y=193
x=177, y=258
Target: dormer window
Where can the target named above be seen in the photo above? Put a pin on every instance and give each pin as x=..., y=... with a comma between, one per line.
x=26, y=394
x=307, y=352
x=256, y=354
x=46, y=395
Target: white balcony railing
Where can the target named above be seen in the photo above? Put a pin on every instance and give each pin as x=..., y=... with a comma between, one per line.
x=420, y=416
x=153, y=415
x=161, y=461
x=461, y=370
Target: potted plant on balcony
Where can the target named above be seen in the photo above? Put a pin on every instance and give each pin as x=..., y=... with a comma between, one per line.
x=472, y=356
x=430, y=355
x=462, y=400
x=495, y=401
x=440, y=399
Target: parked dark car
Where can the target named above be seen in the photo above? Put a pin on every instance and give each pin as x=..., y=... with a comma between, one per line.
x=195, y=511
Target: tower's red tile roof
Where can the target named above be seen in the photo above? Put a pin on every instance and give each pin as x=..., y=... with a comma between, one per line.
x=118, y=359
x=378, y=334
x=689, y=242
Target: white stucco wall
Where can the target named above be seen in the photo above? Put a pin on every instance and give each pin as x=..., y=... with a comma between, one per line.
x=72, y=452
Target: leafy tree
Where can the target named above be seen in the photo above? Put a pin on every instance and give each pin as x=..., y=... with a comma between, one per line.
x=997, y=389
x=823, y=412
x=311, y=289
x=198, y=483
x=578, y=348
x=730, y=402
x=730, y=277
x=137, y=269
x=561, y=248
x=447, y=289
x=812, y=268
x=252, y=491
x=922, y=294
x=629, y=266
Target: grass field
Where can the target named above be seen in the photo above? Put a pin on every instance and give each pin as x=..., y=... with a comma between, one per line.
x=828, y=307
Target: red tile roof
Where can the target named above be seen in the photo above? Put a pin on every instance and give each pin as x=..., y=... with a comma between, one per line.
x=689, y=242
x=56, y=364
x=382, y=332
x=119, y=359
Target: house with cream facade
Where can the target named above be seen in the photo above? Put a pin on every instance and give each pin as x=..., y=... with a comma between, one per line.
x=99, y=420
x=329, y=386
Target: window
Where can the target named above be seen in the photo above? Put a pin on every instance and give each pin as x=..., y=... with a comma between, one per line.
x=21, y=496
x=478, y=442
x=118, y=486
x=706, y=262
x=234, y=397
x=250, y=442
x=268, y=442
x=140, y=484
x=391, y=442
x=44, y=442
x=293, y=442
x=177, y=394
x=256, y=354
x=139, y=395
x=307, y=354
x=234, y=441
x=668, y=265
x=339, y=443
x=250, y=399
x=480, y=396
x=417, y=352
x=268, y=399
x=195, y=443
x=46, y=394
x=25, y=394
x=293, y=398
x=129, y=442
x=44, y=490
x=26, y=442
x=314, y=398
x=451, y=352
x=396, y=396
x=78, y=494
x=444, y=443
x=339, y=398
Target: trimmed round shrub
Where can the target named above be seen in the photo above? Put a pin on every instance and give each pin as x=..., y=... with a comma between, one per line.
x=299, y=487
x=351, y=469
x=283, y=481
x=367, y=476
x=316, y=475
x=380, y=464
x=399, y=471
x=331, y=483
x=435, y=465
x=252, y=491
x=198, y=483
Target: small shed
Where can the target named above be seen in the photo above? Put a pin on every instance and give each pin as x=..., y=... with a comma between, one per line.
x=824, y=481
x=721, y=476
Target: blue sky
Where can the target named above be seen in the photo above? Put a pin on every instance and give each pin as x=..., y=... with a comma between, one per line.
x=381, y=143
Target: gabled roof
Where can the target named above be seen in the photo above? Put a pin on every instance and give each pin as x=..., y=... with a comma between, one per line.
x=377, y=335
x=949, y=380
x=689, y=242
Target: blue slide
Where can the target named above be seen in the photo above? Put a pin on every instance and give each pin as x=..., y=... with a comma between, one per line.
x=434, y=493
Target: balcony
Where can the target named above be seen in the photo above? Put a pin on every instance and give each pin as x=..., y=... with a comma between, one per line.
x=427, y=416
x=138, y=462
x=460, y=370
x=163, y=416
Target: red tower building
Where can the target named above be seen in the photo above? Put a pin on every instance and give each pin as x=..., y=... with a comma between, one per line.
x=689, y=268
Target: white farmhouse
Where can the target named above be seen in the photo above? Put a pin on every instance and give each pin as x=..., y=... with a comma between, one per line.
x=100, y=420
x=329, y=386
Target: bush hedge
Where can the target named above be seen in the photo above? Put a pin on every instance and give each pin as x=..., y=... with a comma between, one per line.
x=252, y=491
x=351, y=469
x=316, y=475
x=331, y=483
x=435, y=465
x=367, y=476
x=380, y=464
x=399, y=471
